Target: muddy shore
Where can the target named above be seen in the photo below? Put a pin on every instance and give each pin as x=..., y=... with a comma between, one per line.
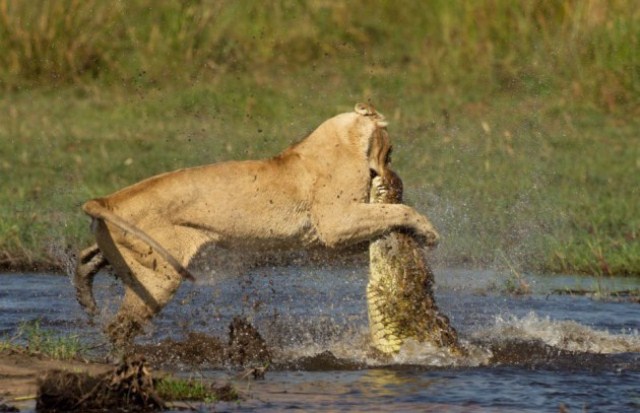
x=20, y=370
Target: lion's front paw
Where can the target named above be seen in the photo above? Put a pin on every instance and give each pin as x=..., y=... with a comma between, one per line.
x=427, y=234
x=432, y=239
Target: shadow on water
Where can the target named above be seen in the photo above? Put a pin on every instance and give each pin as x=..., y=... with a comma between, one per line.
x=534, y=352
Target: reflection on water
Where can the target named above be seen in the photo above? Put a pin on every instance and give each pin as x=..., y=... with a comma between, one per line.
x=527, y=353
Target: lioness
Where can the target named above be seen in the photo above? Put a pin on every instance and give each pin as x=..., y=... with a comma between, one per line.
x=313, y=193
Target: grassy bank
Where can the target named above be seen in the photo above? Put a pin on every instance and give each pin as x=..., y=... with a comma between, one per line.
x=33, y=340
x=547, y=188
x=515, y=126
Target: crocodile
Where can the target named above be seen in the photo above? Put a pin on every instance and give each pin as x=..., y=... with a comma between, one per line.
x=400, y=299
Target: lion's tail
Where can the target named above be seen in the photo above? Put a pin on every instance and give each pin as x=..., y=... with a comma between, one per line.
x=91, y=259
x=96, y=210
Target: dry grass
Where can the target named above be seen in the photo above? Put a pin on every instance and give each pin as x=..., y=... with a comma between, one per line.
x=587, y=48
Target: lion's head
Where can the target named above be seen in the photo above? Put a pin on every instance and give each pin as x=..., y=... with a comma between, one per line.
x=379, y=145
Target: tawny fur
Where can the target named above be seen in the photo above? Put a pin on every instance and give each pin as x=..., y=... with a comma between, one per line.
x=314, y=193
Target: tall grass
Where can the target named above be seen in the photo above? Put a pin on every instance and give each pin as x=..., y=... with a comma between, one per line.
x=586, y=48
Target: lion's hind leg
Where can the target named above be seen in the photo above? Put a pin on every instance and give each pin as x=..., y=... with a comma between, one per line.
x=149, y=280
x=89, y=263
x=148, y=288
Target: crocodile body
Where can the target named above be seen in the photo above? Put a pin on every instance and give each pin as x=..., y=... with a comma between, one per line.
x=399, y=293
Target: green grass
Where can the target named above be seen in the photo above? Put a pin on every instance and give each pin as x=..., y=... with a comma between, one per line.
x=515, y=125
x=7, y=343
x=33, y=339
x=555, y=189
x=177, y=389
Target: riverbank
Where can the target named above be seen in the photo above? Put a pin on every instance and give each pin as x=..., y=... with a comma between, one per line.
x=19, y=373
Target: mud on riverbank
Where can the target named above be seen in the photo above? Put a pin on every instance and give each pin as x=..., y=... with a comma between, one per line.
x=68, y=385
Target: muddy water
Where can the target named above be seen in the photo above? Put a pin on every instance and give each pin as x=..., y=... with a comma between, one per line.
x=529, y=353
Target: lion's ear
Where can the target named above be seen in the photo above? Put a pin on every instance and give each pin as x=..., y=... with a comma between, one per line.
x=365, y=109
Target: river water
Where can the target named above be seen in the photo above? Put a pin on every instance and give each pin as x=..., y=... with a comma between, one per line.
x=546, y=350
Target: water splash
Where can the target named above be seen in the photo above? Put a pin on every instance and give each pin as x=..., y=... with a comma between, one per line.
x=568, y=337
x=564, y=335
x=425, y=354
